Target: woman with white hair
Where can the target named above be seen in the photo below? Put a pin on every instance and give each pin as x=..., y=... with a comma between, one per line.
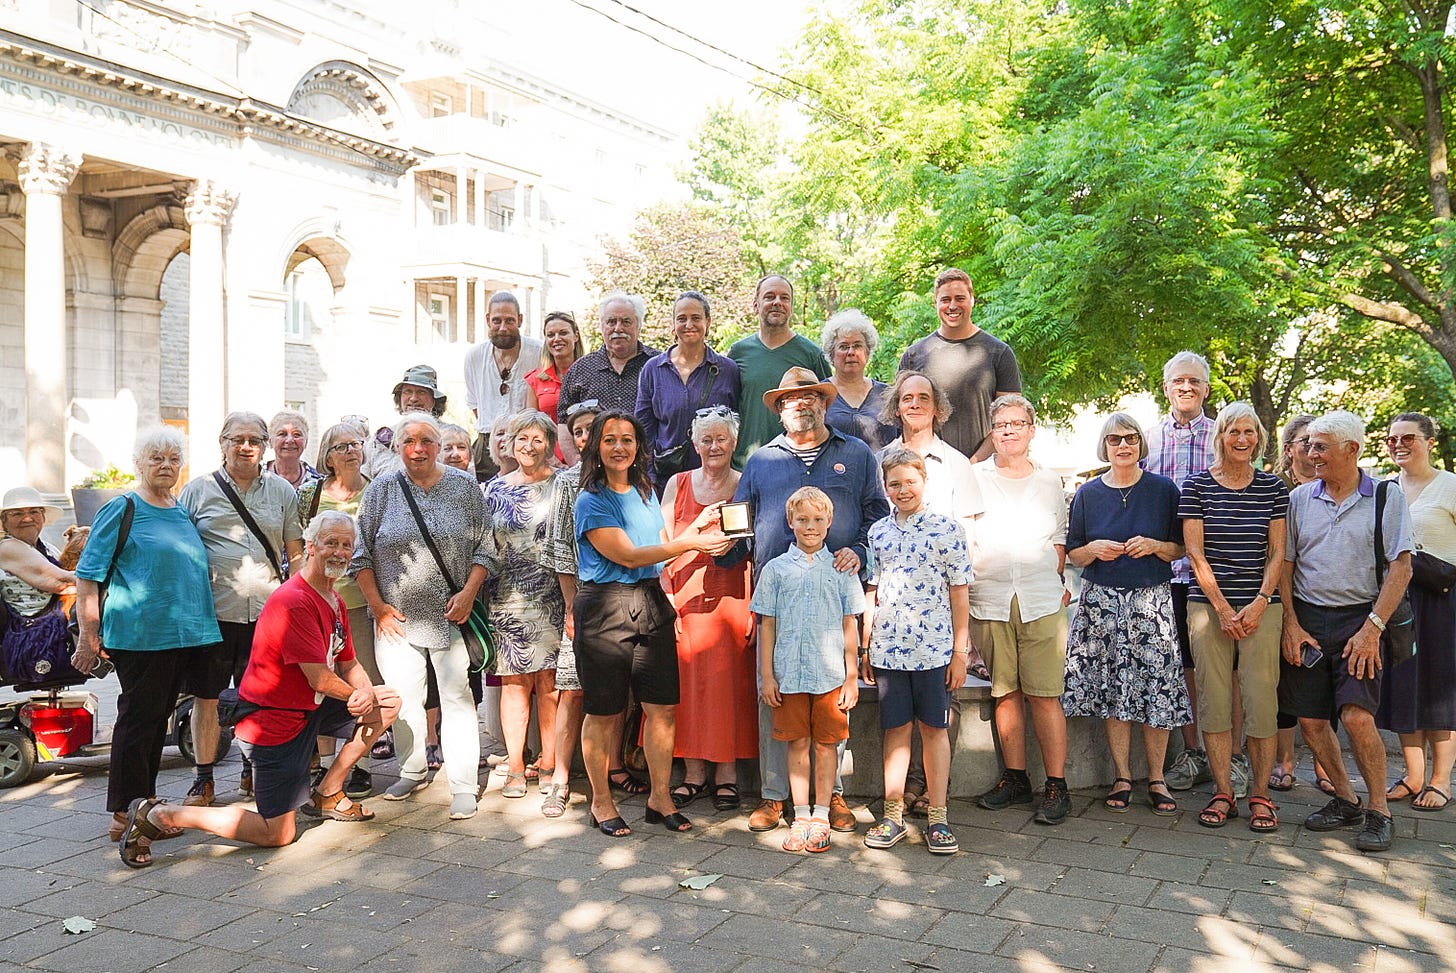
x=156, y=620
x=849, y=343
x=288, y=435
x=1233, y=527
x=1123, y=660
x=717, y=713
x=417, y=608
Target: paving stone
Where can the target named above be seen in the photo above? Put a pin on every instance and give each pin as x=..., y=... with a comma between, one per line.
x=626, y=955
x=1183, y=897
x=253, y=930
x=1046, y=909
x=977, y=934
x=1087, y=854
x=1178, y=960
x=973, y=869
x=1104, y=886
x=944, y=893
x=1217, y=935
x=1406, y=961
x=650, y=922
x=327, y=945
x=749, y=863
x=876, y=953
x=1321, y=954
x=1078, y=950
x=373, y=908
x=811, y=946
x=93, y=899
x=111, y=950
x=175, y=916
x=876, y=916
x=737, y=895
x=438, y=957
x=458, y=883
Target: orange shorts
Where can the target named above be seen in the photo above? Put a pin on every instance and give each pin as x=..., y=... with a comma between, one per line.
x=811, y=715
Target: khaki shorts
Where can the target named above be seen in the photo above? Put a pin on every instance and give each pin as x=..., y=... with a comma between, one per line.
x=1214, y=656
x=1029, y=657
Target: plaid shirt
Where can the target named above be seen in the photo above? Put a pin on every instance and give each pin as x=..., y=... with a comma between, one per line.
x=1177, y=451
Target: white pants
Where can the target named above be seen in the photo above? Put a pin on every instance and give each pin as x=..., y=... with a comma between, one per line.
x=402, y=664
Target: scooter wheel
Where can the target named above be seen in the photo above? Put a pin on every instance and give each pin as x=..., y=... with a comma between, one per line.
x=17, y=757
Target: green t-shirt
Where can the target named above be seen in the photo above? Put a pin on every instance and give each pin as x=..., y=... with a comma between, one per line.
x=761, y=369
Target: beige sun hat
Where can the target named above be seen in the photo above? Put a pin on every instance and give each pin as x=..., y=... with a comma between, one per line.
x=18, y=498
x=798, y=379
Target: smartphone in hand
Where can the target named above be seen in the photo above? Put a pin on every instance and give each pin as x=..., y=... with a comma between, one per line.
x=1310, y=655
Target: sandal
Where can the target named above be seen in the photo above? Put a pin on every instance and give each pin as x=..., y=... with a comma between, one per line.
x=327, y=806
x=725, y=797
x=513, y=789
x=886, y=834
x=118, y=825
x=1281, y=781
x=1214, y=816
x=687, y=792
x=1163, y=804
x=623, y=780
x=134, y=852
x=434, y=756
x=979, y=670
x=1120, y=797
x=917, y=805
x=1445, y=799
x=1325, y=784
x=1410, y=792
x=1261, y=815
x=544, y=775
x=556, y=800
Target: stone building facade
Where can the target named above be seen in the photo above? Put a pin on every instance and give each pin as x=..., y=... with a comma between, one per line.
x=208, y=207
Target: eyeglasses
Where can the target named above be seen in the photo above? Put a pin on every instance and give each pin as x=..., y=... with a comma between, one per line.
x=345, y=447
x=585, y=405
x=1010, y=424
x=808, y=395
x=1192, y=383
x=1301, y=443
x=1131, y=439
x=1405, y=439
x=246, y=441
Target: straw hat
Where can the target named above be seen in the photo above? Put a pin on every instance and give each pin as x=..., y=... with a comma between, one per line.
x=798, y=379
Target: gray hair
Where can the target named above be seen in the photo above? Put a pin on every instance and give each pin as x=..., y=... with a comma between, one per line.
x=339, y=432
x=1117, y=423
x=717, y=415
x=1184, y=359
x=1013, y=400
x=158, y=439
x=415, y=419
x=503, y=297
x=531, y=418
x=639, y=306
x=323, y=519
x=452, y=429
x=1346, y=427
x=287, y=417
x=243, y=419
x=1227, y=416
x=853, y=320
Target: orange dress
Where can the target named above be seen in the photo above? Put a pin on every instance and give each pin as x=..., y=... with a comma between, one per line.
x=717, y=715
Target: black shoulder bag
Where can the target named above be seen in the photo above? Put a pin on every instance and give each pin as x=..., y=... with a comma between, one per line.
x=477, y=631
x=1398, y=641
x=280, y=568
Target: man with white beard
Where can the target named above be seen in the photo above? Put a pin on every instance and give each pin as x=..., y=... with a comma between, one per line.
x=609, y=374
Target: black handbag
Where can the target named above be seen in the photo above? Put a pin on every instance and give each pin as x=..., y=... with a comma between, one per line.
x=1398, y=641
x=477, y=630
x=1432, y=573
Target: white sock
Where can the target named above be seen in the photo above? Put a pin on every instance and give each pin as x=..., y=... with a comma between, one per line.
x=801, y=812
x=820, y=811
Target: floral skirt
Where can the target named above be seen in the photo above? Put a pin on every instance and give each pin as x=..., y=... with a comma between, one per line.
x=1122, y=658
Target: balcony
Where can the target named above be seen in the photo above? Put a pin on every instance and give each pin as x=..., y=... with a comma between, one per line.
x=445, y=250
x=504, y=141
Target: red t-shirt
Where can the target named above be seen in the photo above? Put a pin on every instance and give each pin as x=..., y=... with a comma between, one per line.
x=547, y=386
x=297, y=626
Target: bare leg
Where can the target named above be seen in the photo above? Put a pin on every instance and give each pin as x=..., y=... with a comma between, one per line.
x=614, y=742
x=1443, y=755
x=1190, y=729
x=1261, y=762
x=1220, y=754
x=695, y=771
x=659, y=732
x=568, y=731
x=1119, y=742
x=1010, y=730
x=1284, y=752
x=726, y=772
x=1237, y=729
x=1413, y=748
x=897, y=761
x=228, y=822
x=1369, y=752
x=826, y=759
x=596, y=733
x=935, y=748
x=355, y=749
x=432, y=727
x=204, y=729
x=547, y=701
x=799, y=772
x=1050, y=722
x=515, y=706
x=1320, y=737
x=1155, y=744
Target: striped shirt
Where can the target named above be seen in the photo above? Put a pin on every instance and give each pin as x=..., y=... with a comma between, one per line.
x=1235, y=531
x=1177, y=451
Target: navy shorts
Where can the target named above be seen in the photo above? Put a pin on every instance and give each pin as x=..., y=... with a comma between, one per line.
x=1180, y=622
x=215, y=667
x=920, y=695
x=280, y=771
x=1320, y=692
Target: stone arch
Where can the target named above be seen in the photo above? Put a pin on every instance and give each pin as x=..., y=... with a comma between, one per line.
x=144, y=248
x=143, y=251
x=339, y=92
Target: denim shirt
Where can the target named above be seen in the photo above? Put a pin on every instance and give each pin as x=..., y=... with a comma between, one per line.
x=808, y=601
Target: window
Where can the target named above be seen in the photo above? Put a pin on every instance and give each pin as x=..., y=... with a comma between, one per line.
x=295, y=309
x=441, y=105
x=441, y=207
x=439, y=306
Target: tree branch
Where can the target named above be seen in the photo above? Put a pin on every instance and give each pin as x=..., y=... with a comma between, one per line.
x=1387, y=311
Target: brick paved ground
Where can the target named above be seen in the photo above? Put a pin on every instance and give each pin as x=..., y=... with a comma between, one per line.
x=509, y=890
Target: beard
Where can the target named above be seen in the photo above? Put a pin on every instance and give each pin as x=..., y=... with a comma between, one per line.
x=335, y=571
x=506, y=339
x=800, y=421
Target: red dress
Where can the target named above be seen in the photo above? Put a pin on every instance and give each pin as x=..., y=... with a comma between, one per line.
x=717, y=715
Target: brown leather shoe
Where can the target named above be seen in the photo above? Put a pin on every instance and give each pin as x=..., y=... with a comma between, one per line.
x=767, y=816
x=841, y=818
x=199, y=794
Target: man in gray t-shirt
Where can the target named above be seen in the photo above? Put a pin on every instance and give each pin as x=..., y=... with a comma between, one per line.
x=1331, y=639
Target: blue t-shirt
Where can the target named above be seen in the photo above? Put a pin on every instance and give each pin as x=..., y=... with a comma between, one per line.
x=641, y=519
x=1100, y=514
x=160, y=596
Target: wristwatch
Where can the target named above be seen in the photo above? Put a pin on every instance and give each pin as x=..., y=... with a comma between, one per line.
x=1375, y=620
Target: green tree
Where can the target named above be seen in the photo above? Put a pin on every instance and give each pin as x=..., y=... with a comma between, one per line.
x=734, y=154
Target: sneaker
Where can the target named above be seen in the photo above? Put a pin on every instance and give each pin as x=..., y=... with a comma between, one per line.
x=1377, y=834
x=383, y=748
x=463, y=806
x=199, y=794
x=1012, y=788
x=360, y=784
x=245, y=782
x=767, y=816
x=1055, y=804
x=818, y=836
x=841, y=818
x=1240, y=773
x=1337, y=814
x=401, y=789
x=798, y=836
x=1188, y=771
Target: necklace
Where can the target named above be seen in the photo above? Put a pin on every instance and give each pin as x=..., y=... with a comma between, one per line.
x=1124, y=493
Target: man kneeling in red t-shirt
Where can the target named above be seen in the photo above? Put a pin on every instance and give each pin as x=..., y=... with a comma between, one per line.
x=302, y=682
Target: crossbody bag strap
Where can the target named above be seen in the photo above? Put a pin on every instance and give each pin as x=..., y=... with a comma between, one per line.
x=252, y=525
x=707, y=386
x=318, y=493
x=1380, y=489
x=122, y=533
x=425, y=533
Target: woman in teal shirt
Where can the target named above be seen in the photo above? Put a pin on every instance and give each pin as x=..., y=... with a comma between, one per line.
x=158, y=611
x=624, y=633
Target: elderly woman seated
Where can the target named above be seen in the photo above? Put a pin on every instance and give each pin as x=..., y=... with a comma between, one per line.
x=31, y=578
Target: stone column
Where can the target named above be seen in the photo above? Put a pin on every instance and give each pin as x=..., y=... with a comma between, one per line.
x=45, y=174
x=518, y=202
x=462, y=177
x=482, y=327
x=482, y=219
x=208, y=206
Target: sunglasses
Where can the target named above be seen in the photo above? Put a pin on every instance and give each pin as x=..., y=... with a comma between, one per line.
x=585, y=405
x=1132, y=439
x=1405, y=439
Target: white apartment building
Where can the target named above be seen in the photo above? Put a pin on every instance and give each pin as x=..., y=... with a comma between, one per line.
x=216, y=206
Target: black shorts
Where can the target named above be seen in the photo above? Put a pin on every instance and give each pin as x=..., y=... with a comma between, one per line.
x=215, y=667
x=1320, y=692
x=280, y=771
x=625, y=637
x=1180, y=622
x=913, y=696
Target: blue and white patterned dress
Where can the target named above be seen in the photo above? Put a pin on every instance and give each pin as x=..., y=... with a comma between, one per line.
x=530, y=537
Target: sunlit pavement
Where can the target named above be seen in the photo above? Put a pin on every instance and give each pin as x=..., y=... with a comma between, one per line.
x=510, y=890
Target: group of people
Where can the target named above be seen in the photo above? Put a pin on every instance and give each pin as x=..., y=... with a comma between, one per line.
x=736, y=542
